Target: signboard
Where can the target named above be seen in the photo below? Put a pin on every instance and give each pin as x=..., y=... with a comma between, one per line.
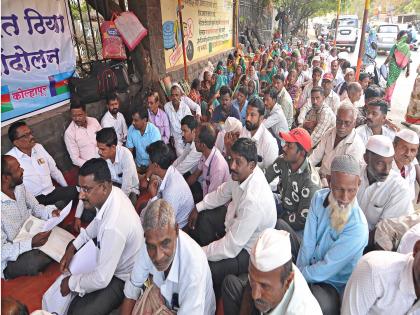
x=37, y=55
x=208, y=29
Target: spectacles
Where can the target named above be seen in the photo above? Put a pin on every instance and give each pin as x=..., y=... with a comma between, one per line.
x=25, y=135
x=340, y=122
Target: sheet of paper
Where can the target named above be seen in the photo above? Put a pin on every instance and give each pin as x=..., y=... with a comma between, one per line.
x=53, y=301
x=31, y=227
x=54, y=221
x=85, y=260
x=57, y=243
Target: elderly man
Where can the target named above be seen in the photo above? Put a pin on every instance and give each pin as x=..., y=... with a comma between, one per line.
x=113, y=118
x=354, y=93
x=335, y=235
x=118, y=234
x=283, y=98
x=177, y=264
x=157, y=116
x=187, y=162
x=342, y=139
x=383, y=192
x=376, y=111
x=349, y=74
x=275, y=285
x=384, y=283
x=20, y=258
x=212, y=167
x=80, y=135
x=39, y=167
x=298, y=179
x=406, y=146
x=176, y=109
x=319, y=118
x=254, y=129
x=228, y=234
x=140, y=134
x=165, y=181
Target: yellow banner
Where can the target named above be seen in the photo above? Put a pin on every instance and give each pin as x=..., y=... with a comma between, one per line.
x=208, y=29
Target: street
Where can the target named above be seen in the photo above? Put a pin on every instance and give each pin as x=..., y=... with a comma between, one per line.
x=404, y=86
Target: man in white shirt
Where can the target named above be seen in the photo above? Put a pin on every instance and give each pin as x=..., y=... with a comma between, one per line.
x=331, y=98
x=39, y=167
x=267, y=147
x=20, y=257
x=275, y=120
x=283, y=98
x=80, y=135
x=228, y=234
x=187, y=162
x=118, y=236
x=406, y=146
x=384, y=283
x=383, y=192
x=275, y=285
x=336, y=72
x=354, y=93
x=113, y=118
x=164, y=181
x=178, y=265
x=340, y=140
x=375, y=121
x=120, y=163
x=305, y=97
x=177, y=109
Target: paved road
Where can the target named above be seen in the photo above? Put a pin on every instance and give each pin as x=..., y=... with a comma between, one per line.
x=404, y=86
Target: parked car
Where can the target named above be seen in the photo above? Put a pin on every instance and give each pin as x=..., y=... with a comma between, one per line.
x=321, y=30
x=348, y=31
x=387, y=35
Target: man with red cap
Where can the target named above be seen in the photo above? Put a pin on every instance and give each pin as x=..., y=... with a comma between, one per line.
x=298, y=179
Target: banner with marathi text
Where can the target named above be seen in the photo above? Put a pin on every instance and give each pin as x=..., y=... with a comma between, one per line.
x=208, y=29
x=37, y=55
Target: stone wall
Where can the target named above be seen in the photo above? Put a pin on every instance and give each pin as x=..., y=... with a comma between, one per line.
x=48, y=128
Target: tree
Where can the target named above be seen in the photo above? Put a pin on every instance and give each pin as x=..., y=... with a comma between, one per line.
x=297, y=11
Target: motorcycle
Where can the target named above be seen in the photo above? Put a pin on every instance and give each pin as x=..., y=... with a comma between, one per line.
x=378, y=75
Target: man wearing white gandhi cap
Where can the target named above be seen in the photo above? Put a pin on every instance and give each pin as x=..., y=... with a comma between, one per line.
x=383, y=192
x=406, y=145
x=275, y=285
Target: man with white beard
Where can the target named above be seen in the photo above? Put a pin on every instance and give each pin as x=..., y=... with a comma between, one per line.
x=335, y=235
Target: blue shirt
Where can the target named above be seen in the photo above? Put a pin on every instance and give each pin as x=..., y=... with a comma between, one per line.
x=140, y=142
x=328, y=256
x=220, y=116
x=242, y=113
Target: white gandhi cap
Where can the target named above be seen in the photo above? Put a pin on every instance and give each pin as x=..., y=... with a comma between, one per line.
x=380, y=145
x=408, y=135
x=272, y=250
x=233, y=124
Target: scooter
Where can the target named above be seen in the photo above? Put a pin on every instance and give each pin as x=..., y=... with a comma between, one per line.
x=377, y=74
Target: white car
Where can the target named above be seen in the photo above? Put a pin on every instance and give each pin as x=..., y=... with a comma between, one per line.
x=387, y=36
x=348, y=31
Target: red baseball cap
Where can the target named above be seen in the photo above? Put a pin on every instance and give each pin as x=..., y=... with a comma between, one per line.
x=328, y=76
x=298, y=135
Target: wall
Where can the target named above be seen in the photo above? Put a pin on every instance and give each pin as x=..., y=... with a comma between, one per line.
x=48, y=128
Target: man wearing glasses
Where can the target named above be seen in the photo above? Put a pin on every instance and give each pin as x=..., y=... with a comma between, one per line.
x=340, y=140
x=39, y=167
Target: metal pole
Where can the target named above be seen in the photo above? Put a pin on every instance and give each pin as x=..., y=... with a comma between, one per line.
x=336, y=21
x=362, y=39
x=184, y=53
x=237, y=23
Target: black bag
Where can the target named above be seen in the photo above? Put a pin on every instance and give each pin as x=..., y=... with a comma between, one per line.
x=84, y=90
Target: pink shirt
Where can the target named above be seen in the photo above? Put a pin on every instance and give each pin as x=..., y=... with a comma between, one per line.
x=81, y=142
x=215, y=171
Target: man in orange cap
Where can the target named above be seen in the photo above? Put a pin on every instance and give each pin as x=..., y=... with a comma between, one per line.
x=298, y=179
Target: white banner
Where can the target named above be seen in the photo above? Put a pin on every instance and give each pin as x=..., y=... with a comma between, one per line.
x=37, y=55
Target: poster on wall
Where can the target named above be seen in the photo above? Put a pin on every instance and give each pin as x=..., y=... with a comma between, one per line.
x=37, y=56
x=207, y=25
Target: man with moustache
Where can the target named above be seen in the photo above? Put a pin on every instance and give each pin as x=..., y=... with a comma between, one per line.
x=335, y=235
x=177, y=264
x=342, y=139
x=283, y=98
x=274, y=286
x=406, y=146
x=20, y=258
x=383, y=192
x=39, y=167
x=113, y=118
x=227, y=234
x=118, y=234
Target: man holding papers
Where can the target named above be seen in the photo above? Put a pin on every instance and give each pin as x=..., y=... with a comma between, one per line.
x=118, y=235
x=17, y=205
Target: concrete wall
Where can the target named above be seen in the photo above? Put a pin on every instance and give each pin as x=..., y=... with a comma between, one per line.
x=48, y=128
